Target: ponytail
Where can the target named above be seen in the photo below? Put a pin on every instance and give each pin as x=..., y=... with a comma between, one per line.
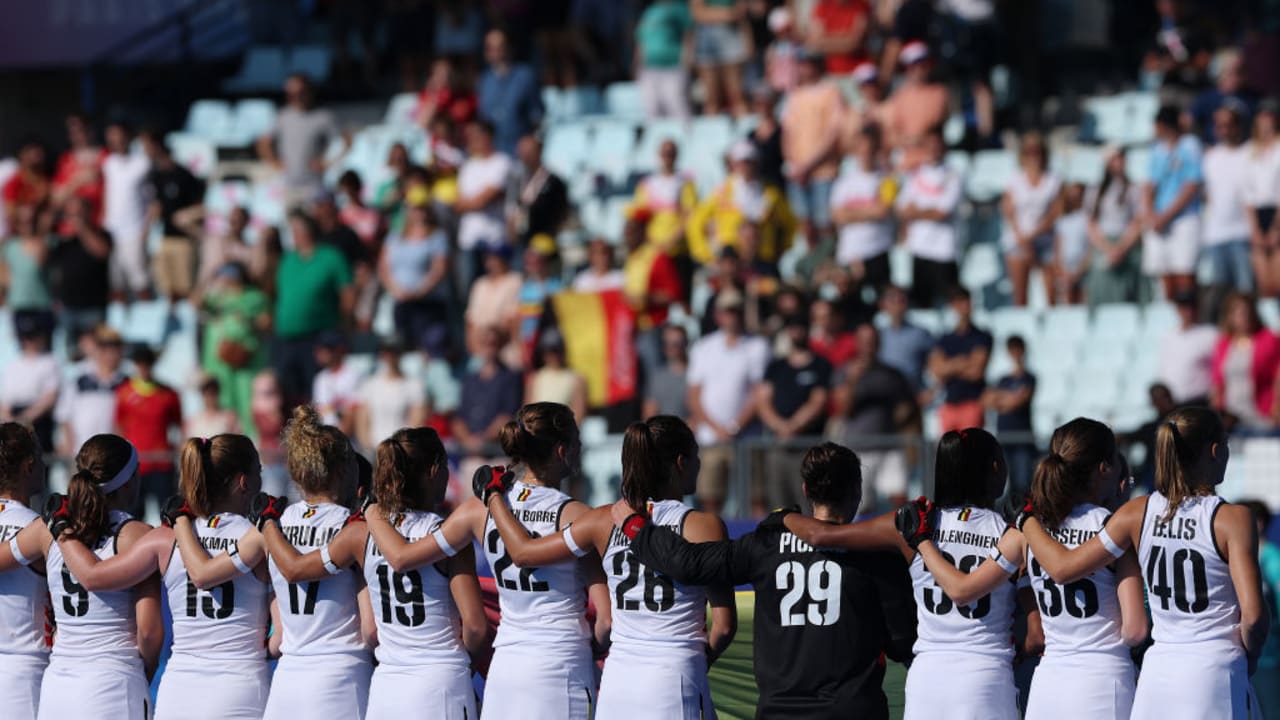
x=193, y=480
x=316, y=455
x=1063, y=479
x=1182, y=439
x=963, y=471
x=406, y=465
x=104, y=465
x=531, y=437
x=1053, y=490
x=651, y=451
x=210, y=466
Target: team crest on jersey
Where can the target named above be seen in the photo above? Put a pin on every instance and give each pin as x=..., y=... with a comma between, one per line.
x=964, y=514
x=309, y=512
x=524, y=495
x=213, y=521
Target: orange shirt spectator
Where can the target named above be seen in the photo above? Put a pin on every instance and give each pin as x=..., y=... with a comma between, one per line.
x=838, y=30
x=810, y=129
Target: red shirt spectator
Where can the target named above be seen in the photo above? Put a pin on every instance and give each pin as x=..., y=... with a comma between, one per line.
x=145, y=412
x=827, y=336
x=838, y=29
x=1246, y=364
x=29, y=186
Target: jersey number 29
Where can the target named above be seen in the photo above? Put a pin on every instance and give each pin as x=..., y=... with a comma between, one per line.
x=812, y=593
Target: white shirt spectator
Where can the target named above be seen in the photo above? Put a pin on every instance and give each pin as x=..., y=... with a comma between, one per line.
x=1262, y=183
x=1116, y=206
x=1225, y=174
x=388, y=402
x=858, y=188
x=1186, y=357
x=28, y=378
x=335, y=392
x=1072, y=231
x=87, y=406
x=725, y=376
x=1030, y=204
x=124, y=205
x=486, y=226
x=587, y=281
x=932, y=187
x=971, y=10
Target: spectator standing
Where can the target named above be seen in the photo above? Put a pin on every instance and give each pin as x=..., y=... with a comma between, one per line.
x=491, y=394
x=872, y=403
x=971, y=31
x=766, y=137
x=1070, y=247
x=904, y=346
x=742, y=198
x=811, y=148
x=651, y=283
x=792, y=403
x=267, y=411
x=444, y=94
x=838, y=31
x=721, y=50
x=366, y=221
x=29, y=186
x=664, y=200
x=218, y=249
x=538, y=287
x=330, y=230
x=829, y=335
x=213, y=418
x=666, y=392
x=1011, y=401
x=147, y=412
x=724, y=367
x=1030, y=206
x=927, y=205
x=1227, y=91
x=237, y=319
x=1171, y=205
x=917, y=107
x=959, y=363
x=861, y=205
x=414, y=270
x=482, y=184
x=335, y=391
x=1246, y=359
x=87, y=405
x=494, y=301
x=866, y=113
x=79, y=265
x=1261, y=195
x=124, y=177
x=1114, y=231
x=314, y=295
x=300, y=140
x=31, y=382
x=1225, y=220
x=782, y=56
x=553, y=380
x=24, y=274
x=79, y=171
x=1186, y=354
x=662, y=33
x=600, y=274
x=174, y=197
x=388, y=400
x=510, y=100
x=538, y=199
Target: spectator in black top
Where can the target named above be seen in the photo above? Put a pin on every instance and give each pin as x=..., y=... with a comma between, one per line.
x=767, y=137
x=1011, y=401
x=959, y=362
x=537, y=199
x=792, y=402
x=78, y=264
x=175, y=198
x=822, y=657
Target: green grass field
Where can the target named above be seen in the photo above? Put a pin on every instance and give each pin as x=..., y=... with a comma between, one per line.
x=733, y=685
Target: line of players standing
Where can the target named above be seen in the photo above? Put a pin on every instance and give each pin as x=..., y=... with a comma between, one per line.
x=935, y=584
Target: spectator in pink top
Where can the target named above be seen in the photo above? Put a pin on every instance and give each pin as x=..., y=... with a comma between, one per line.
x=1244, y=370
x=917, y=106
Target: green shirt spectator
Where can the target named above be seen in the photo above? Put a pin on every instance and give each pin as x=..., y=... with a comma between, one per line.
x=661, y=31
x=311, y=287
x=22, y=273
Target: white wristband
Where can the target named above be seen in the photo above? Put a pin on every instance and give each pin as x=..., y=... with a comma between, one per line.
x=573, y=546
x=1110, y=545
x=1005, y=563
x=329, y=567
x=240, y=566
x=445, y=547
x=17, y=552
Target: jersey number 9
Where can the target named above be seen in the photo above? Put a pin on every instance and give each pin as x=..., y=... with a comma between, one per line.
x=818, y=585
x=76, y=601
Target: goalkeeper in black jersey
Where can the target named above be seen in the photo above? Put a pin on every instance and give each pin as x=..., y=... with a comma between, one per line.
x=825, y=619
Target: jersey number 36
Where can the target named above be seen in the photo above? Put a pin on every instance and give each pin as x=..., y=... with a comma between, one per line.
x=812, y=593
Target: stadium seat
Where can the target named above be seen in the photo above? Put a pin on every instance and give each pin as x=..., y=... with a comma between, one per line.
x=311, y=61
x=611, y=150
x=990, y=174
x=1053, y=354
x=958, y=161
x=1141, y=108
x=362, y=363
x=1157, y=320
x=210, y=119
x=930, y=320
x=268, y=203
x=602, y=466
x=1070, y=322
x=594, y=431
x=566, y=148
x=644, y=158
x=580, y=101
x=1138, y=163
x=1115, y=320
x=981, y=266
x=1052, y=391
x=444, y=390
x=254, y=117
x=1269, y=311
x=953, y=129
x=1084, y=164
x=401, y=109
x=195, y=153
x=899, y=265
x=147, y=323
x=623, y=100
x=263, y=70
x=553, y=103
x=1106, y=358
x=1008, y=321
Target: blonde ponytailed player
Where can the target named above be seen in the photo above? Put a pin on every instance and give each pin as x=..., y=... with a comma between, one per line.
x=215, y=580
x=657, y=666
x=1199, y=556
x=24, y=653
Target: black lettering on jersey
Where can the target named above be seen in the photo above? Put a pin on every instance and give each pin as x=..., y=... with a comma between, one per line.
x=308, y=535
x=964, y=537
x=9, y=532
x=790, y=544
x=537, y=516
x=1072, y=536
x=218, y=544
x=1176, y=529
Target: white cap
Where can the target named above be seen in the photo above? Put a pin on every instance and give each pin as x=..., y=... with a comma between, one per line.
x=779, y=18
x=742, y=150
x=865, y=72
x=913, y=52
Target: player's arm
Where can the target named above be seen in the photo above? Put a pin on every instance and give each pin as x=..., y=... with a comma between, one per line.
x=1133, y=610
x=1033, y=642
x=598, y=592
x=403, y=556
x=146, y=602
x=26, y=547
x=276, y=638
x=209, y=571
x=965, y=588
x=528, y=551
x=877, y=533
x=726, y=562
x=344, y=551
x=1068, y=565
x=1237, y=538
x=465, y=589
x=122, y=570
x=704, y=527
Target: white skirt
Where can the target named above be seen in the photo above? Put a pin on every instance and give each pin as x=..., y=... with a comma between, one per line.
x=399, y=692
x=960, y=686
x=319, y=687
x=20, y=678
x=89, y=688
x=197, y=689
x=1086, y=685
x=1193, y=683
x=659, y=685
x=539, y=683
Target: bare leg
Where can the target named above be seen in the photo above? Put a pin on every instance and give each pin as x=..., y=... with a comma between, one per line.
x=1019, y=270
x=711, y=89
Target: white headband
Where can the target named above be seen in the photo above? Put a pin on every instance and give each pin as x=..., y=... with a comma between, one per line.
x=125, y=475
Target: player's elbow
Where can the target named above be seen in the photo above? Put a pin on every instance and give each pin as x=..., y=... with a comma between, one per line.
x=398, y=561
x=1134, y=631
x=475, y=636
x=202, y=580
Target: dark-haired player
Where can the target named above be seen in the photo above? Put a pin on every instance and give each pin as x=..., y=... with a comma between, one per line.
x=823, y=617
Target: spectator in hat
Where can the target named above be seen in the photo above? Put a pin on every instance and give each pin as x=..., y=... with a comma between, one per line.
x=31, y=382
x=662, y=33
x=414, y=270
x=147, y=412
x=927, y=205
x=1171, y=205
x=959, y=364
x=916, y=107
x=80, y=266
x=811, y=147
x=782, y=57
x=721, y=50
x=1186, y=354
x=237, y=318
x=838, y=32
x=388, y=400
x=87, y=405
x=663, y=201
x=214, y=418
x=742, y=197
x=334, y=391
x=535, y=292
x=494, y=301
x=482, y=187
x=553, y=380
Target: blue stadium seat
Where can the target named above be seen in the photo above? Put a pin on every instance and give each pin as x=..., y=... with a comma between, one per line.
x=194, y=152
x=623, y=100
x=311, y=61
x=210, y=119
x=553, y=103
x=263, y=69
x=401, y=108
x=254, y=117
x=1069, y=322
x=147, y=323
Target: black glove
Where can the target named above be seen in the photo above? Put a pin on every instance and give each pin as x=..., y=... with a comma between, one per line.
x=175, y=507
x=915, y=521
x=266, y=507
x=1027, y=512
x=775, y=518
x=359, y=514
x=56, y=515
x=489, y=480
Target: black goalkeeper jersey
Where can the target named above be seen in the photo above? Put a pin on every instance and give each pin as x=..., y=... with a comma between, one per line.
x=824, y=619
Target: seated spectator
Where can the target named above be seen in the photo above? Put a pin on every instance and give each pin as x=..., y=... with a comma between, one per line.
x=927, y=206
x=663, y=201
x=237, y=320
x=599, y=274
x=29, y=187
x=766, y=138
x=81, y=263
x=811, y=126
x=1010, y=399
x=79, y=171
x=491, y=394
x=535, y=291
x=444, y=94
x=510, y=101
x=1262, y=190
x=915, y=108
x=366, y=221
x=959, y=363
x=1030, y=205
x=665, y=388
x=1114, y=231
x=662, y=33
x=266, y=410
x=1227, y=91
x=24, y=276
x=1246, y=361
x=87, y=405
x=1171, y=205
x=904, y=346
x=720, y=53
x=782, y=56
x=741, y=198
x=148, y=413
x=829, y=336
x=482, y=187
x=838, y=31
x=335, y=391
x=872, y=403
x=553, y=380
x=387, y=400
x=124, y=203
x=218, y=249
x=175, y=199
x=31, y=382
x=494, y=302
x=1071, y=246
x=861, y=205
x=414, y=271
x=538, y=199
x=1186, y=354
x=213, y=418
x=1225, y=220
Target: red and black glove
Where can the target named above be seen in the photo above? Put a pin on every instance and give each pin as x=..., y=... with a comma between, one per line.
x=57, y=516
x=915, y=521
x=491, y=480
x=264, y=507
x=175, y=507
x=633, y=524
x=1027, y=512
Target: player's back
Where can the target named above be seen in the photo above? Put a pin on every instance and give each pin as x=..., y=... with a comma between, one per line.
x=92, y=623
x=23, y=596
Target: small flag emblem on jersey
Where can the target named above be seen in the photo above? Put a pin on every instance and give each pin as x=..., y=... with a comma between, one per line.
x=1, y=507
x=524, y=495
x=309, y=512
x=648, y=508
x=964, y=514
x=213, y=521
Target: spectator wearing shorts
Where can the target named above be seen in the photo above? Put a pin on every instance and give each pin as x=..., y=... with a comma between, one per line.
x=663, y=77
x=1262, y=194
x=811, y=126
x=1171, y=205
x=861, y=205
x=1030, y=205
x=1225, y=219
x=124, y=214
x=175, y=199
x=927, y=206
x=959, y=362
x=721, y=49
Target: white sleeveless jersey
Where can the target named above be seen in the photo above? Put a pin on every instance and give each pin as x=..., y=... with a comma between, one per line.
x=650, y=610
x=91, y=623
x=1083, y=616
x=418, y=622
x=544, y=605
x=1189, y=586
x=227, y=622
x=319, y=617
x=24, y=599
x=966, y=536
